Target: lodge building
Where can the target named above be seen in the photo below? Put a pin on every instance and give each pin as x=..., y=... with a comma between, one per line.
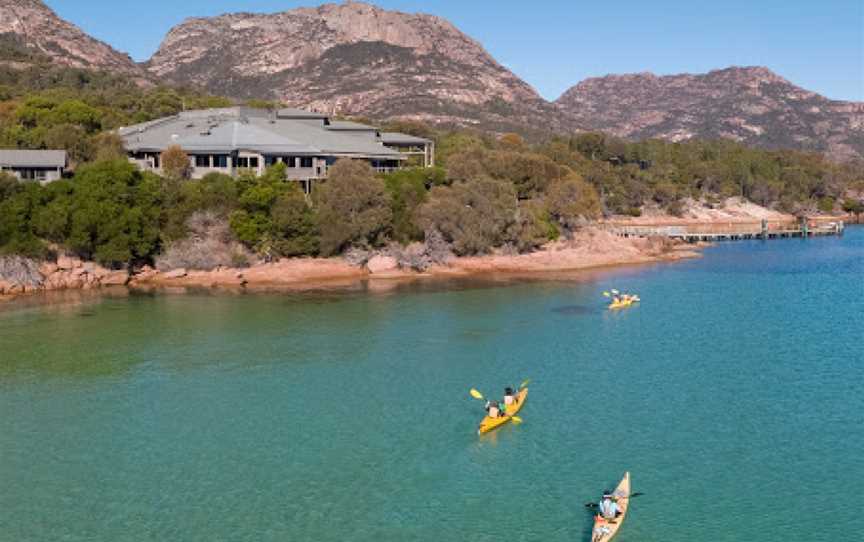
x=236, y=139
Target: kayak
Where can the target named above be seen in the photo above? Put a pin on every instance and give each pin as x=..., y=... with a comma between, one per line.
x=605, y=530
x=488, y=424
x=624, y=302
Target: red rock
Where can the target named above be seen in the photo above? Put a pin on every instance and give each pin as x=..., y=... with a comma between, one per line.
x=116, y=278
x=65, y=263
x=381, y=264
x=176, y=274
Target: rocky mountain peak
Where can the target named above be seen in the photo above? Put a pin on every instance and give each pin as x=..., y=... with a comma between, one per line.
x=749, y=104
x=349, y=58
x=35, y=25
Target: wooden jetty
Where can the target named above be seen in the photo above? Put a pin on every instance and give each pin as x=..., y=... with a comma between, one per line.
x=731, y=231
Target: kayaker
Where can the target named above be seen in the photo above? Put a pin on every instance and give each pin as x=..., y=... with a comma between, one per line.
x=509, y=397
x=492, y=409
x=608, y=506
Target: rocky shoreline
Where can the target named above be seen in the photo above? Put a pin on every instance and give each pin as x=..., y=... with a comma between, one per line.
x=589, y=249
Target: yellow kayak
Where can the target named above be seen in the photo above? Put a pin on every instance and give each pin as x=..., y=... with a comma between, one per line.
x=622, y=303
x=605, y=530
x=488, y=424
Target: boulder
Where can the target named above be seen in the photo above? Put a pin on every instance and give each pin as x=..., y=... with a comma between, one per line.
x=176, y=274
x=65, y=263
x=382, y=264
x=5, y=286
x=116, y=278
x=48, y=268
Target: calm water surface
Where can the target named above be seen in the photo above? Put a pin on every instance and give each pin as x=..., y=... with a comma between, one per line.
x=733, y=394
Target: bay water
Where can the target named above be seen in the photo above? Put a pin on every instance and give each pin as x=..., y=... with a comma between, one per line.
x=732, y=393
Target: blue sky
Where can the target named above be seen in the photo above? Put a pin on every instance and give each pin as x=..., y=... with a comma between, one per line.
x=553, y=44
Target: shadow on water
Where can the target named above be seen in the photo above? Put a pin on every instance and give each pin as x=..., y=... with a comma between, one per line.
x=576, y=310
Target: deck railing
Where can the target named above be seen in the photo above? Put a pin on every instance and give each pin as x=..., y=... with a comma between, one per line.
x=728, y=230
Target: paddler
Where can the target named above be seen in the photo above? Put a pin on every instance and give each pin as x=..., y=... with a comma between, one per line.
x=509, y=397
x=493, y=410
x=609, y=506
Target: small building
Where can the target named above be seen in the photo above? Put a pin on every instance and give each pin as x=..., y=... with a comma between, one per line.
x=30, y=165
x=237, y=139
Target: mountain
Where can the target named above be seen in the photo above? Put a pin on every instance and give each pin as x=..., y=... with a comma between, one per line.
x=357, y=59
x=31, y=25
x=751, y=104
x=352, y=59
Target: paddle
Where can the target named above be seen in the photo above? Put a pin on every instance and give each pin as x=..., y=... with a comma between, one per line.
x=607, y=294
x=595, y=505
x=522, y=387
x=516, y=419
x=476, y=394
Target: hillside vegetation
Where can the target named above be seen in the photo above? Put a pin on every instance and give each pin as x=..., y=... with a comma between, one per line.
x=489, y=192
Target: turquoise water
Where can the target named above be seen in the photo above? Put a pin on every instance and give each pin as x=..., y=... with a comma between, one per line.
x=732, y=394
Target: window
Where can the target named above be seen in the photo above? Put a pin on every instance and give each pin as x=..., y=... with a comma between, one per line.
x=220, y=160
x=269, y=161
x=202, y=160
x=242, y=162
x=306, y=161
x=253, y=162
x=156, y=161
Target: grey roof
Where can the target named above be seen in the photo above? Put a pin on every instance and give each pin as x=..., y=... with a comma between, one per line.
x=347, y=126
x=395, y=138
x=294, y=113
x=241, y=129
x=24, y=158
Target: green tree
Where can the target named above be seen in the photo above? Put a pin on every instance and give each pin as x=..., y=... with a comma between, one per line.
x=407, y=191
x=353, y=208
x=571, y=201
x=473, y=216
x=115, y=213
x=295, y=224
x=854, y=207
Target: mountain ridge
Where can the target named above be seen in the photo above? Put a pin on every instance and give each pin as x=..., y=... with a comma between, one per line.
x=450, y=75
x=750, y=104
x=35, y=25
x=356, y=59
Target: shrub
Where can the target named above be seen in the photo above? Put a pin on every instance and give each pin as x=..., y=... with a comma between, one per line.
x=353, y=208
x=531, y=227
x=295, y=225
x=826, y=204
x=176, y=163
x=571, y=201
x=676, y=208
x=208, y=246
x=472, y=216
x=407, y=190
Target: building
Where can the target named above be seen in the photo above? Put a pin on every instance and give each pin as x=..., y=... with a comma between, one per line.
x=26, y=165
x=237, y=139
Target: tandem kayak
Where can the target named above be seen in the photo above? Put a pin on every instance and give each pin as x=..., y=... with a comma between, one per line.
x=488, y=424
x=605, y=530
x=626, y=302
